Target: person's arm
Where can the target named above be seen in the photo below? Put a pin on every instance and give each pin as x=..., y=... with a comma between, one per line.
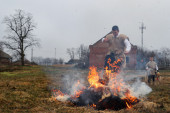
x=104, y=39
x=107, y=38
x=156, y=67
x=127, y=46
x=147, y=66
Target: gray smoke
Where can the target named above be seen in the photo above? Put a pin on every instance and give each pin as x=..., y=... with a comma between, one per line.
x=140, y=89
x=133, y=81
x=73, y=82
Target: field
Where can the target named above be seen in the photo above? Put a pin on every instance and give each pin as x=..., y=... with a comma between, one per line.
x=28, y=89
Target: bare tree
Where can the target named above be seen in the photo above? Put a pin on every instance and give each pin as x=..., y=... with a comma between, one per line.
x=165, y=54
x=20, y=26
x=162, y=57
x=83, y=54
x=55, y=61
x=165, y=51
x=47, y=61
x=15, y=56
x=39, y=60
x=61, y=61
x=71, y=52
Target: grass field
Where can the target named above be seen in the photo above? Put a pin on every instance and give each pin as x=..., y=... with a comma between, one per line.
x=28, y=89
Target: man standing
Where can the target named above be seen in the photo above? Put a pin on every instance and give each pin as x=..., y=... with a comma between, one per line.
x=152, y=69
x=118, y=45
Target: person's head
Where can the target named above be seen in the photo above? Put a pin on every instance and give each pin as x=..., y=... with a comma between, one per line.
x=115, y=30
x=151, y=58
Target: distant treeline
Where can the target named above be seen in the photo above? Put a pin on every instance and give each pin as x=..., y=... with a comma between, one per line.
x=47, y=61
x=162, y=57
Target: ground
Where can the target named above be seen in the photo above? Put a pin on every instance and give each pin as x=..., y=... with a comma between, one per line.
x=28, y=89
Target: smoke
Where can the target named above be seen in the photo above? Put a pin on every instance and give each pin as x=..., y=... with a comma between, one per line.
x=73, y=82
x=131, y=81
x=140, y=89
x=63, y=98
x=64, y=81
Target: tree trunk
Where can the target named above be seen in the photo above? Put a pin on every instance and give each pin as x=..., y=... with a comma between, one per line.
x=22, y=51
x=22, y=60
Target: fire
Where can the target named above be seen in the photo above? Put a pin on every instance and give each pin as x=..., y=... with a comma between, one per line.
x=128, y=106
x=77, y=94
x=58, y=93
x=110, y=84
x=93, y=78
x=129, y=99
x=93, y=105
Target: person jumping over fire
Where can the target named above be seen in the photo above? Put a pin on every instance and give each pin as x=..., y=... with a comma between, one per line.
x=118, y=46
x=115, y=59
x=152, y=70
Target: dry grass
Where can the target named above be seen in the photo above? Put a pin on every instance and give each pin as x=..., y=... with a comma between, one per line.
x=24, y=90
x=27, y=89
x=161, y=92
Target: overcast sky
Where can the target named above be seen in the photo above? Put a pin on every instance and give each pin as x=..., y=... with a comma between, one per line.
x=63, y=24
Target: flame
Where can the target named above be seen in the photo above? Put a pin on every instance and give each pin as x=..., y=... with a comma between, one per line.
x=110, y=80
x=57, y=93
x=93, y=105
x=129, y=99
x=93, y=78
x=76, y=94
x=128, y=106
x=115, y=85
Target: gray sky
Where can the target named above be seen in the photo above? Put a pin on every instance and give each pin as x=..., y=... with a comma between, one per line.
x=63, y=24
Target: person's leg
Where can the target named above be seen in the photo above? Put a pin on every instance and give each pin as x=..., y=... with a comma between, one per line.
x=105, y=60
x=149, y=79
x=120, y=63
x=153, y=78
x=111, y=59
x=122, y=57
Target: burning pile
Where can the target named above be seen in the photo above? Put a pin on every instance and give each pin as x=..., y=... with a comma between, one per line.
x=104, y=92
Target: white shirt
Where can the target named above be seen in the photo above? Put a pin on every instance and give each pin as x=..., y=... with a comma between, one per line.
x=127, y=45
